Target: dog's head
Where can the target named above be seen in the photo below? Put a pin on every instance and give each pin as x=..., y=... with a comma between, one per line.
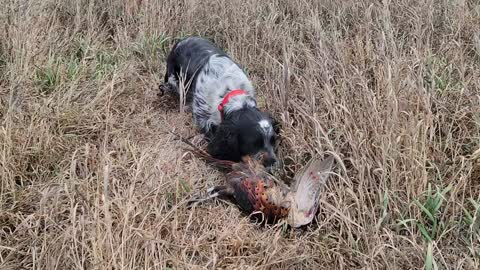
x=245, y=132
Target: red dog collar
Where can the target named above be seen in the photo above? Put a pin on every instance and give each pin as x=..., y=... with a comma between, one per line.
x=227, y=98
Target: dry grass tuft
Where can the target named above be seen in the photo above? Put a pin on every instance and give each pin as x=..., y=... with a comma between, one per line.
x=91, y=178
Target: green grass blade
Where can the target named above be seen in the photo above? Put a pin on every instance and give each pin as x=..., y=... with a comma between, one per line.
x=429, y=257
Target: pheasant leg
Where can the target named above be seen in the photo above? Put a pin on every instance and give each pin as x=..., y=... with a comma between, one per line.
x=213, y=192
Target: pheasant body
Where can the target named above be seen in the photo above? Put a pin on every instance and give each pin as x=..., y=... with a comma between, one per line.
x=254, y=193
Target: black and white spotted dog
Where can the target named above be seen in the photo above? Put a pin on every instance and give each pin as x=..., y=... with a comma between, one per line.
x=222, y=100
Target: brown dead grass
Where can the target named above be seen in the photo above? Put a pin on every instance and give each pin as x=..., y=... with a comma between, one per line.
x=91, y=179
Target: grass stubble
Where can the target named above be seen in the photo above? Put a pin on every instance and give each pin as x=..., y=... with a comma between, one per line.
x=92, y=179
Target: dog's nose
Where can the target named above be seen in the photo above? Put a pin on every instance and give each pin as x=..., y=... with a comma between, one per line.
x=269, y=162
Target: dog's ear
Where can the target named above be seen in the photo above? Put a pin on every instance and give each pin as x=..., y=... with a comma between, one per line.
x=224, y=144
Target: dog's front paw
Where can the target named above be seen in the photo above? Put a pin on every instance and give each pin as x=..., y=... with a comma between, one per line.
x=164, y=88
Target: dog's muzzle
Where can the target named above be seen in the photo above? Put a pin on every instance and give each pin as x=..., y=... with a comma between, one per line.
x=269, y=159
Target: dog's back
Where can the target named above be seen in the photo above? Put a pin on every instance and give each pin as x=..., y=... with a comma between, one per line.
x=186, y=59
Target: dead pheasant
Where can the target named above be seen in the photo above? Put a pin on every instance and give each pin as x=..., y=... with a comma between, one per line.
x=256, y=191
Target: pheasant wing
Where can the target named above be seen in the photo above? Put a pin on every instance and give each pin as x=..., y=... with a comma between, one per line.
x=306, y=191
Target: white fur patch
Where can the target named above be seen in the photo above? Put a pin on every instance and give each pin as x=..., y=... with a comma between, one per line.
x=237, y=102
x=264, y=124
x=266, y=127
x=173, y=82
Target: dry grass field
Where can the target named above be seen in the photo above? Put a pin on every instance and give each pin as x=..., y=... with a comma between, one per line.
x=91, y=178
